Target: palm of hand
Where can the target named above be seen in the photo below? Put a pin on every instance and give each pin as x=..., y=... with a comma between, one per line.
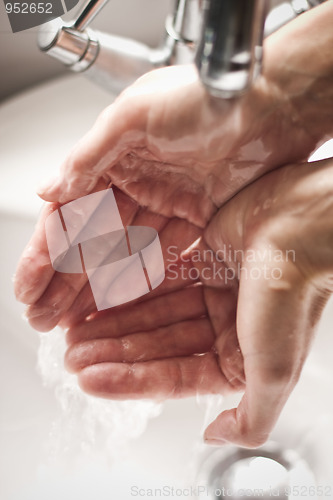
x=174, y=149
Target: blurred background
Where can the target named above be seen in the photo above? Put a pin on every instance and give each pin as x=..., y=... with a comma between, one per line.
x=22, y=65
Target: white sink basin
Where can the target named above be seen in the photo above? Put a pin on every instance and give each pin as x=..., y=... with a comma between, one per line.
x=48, y=452
x=30, y=127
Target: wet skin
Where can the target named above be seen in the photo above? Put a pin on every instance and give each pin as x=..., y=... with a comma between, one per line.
x=172, y=149
x=251, y=334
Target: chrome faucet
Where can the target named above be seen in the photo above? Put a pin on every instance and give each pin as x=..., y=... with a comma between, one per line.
x=115, y=62
x=229, y=54
x=230, y=49
x=223, y=37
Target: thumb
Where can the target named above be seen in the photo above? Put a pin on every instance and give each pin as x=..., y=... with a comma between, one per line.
x=275, y=321
x=118, y=128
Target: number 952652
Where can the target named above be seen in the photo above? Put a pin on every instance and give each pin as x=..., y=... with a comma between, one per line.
x=29, y=8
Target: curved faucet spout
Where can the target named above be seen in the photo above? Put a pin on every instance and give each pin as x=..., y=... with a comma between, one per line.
x=111, y=61
x=115, y=62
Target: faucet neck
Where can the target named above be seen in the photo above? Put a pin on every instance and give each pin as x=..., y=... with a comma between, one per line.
x=230, y=50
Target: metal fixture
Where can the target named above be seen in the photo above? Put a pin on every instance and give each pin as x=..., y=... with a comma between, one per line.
x=223, y=37
x=115, y=62
x=230, y=50
x=266, y=473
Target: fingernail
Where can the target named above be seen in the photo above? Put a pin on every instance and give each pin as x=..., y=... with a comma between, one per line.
x=47, y=185
x=215, y=441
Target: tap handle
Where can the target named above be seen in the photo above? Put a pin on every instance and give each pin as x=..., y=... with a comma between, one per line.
x=88, y=13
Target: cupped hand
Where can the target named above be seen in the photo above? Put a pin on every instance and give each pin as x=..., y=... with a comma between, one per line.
x=176, y=150
x=63, y=298
x=179, y=152
x=238, y=310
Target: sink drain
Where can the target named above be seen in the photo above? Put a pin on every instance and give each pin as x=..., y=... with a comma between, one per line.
x=265, y=473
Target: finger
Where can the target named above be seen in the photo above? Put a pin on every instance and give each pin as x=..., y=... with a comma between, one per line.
x=180, y=339
x=61, y=289
x=84, y=305
x=157, y=312
x=221, y=291
x=34, y=271
x=176, y=235
x=274, y=331
x=158, y=379
x=222, y=306
x=210, y=265
x=118, y=128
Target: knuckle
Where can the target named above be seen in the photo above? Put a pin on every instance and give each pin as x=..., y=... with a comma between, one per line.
x=281, y=373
